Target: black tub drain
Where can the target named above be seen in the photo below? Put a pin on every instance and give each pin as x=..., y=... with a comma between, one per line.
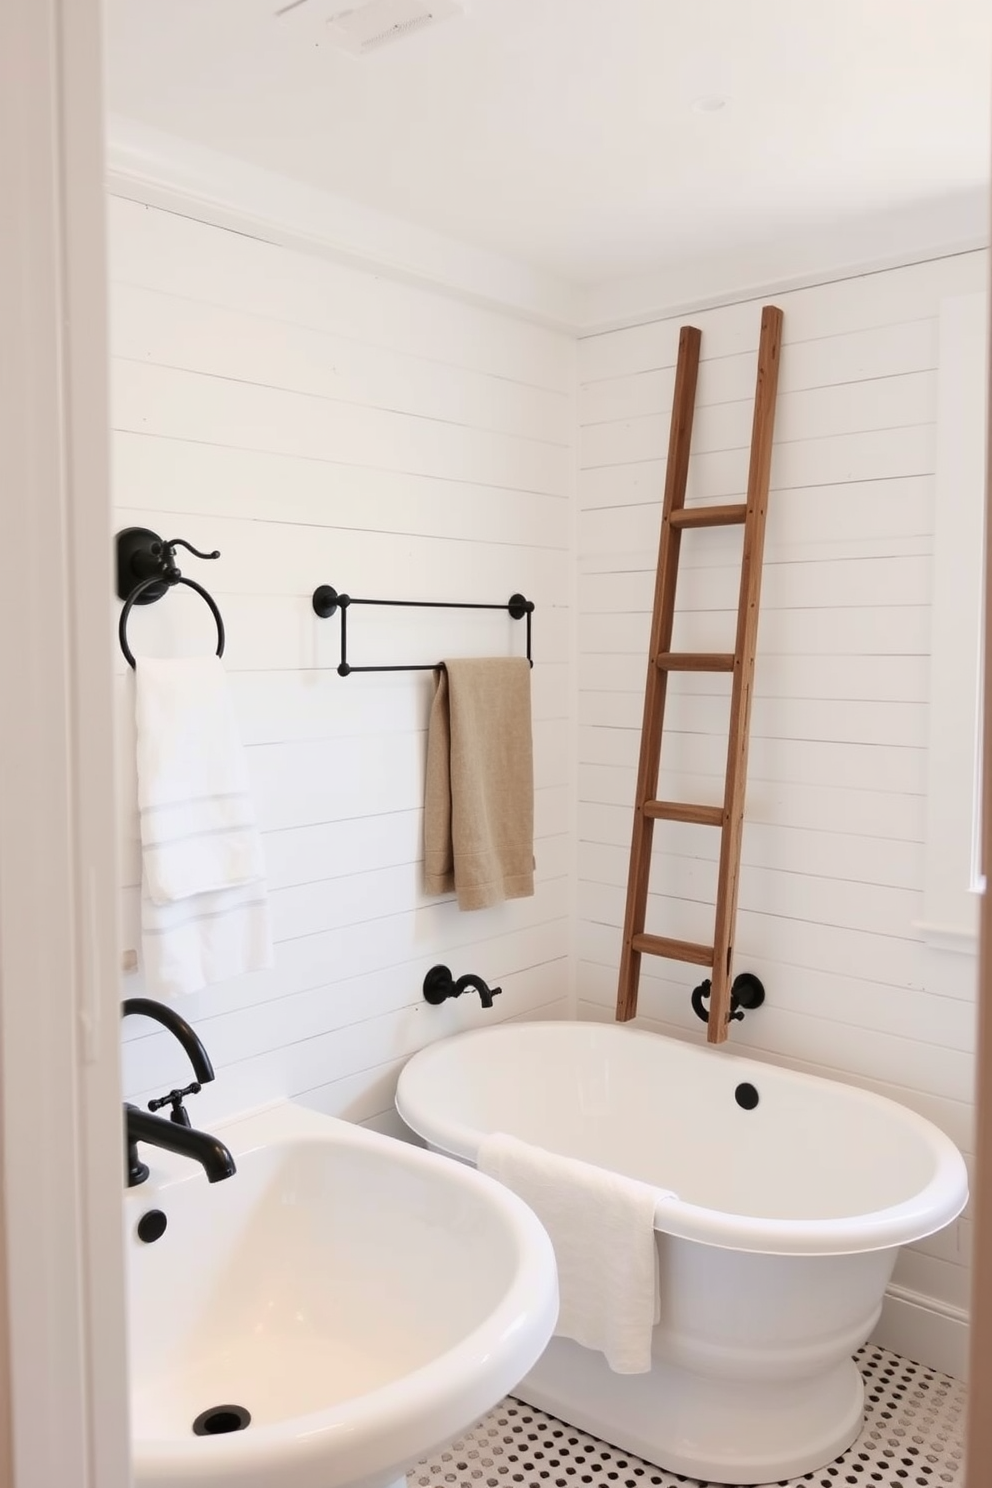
x=220, y=1419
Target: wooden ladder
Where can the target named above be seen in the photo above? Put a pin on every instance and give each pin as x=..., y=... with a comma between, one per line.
x=662, y=661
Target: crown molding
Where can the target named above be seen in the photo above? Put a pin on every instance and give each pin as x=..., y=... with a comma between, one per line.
x=178, y=175
x=791, y=259
x=162, y=170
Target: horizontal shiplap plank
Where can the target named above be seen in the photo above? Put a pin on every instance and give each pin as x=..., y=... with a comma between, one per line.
x=805, y=911
x=272, y=557
x=435, y=932
x=358, y=897
x=759, y=938
x=680, y=849
x=859, y=514
x=822, y=310
x=690, y=757
x=899, y=679
x=893, y=350
x=298, y=783
x=875, y=454
x=176, y=255
x=861, y=722
x=167, y=330
x=817, y=808
x=893, y=402
x=156, y=474
x=872, y=581
x=175, y=404
x=891, y=630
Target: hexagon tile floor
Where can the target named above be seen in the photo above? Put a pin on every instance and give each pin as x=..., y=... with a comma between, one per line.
x=913, y=1436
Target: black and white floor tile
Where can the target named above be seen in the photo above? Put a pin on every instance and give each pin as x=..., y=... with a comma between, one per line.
x=913, y=1437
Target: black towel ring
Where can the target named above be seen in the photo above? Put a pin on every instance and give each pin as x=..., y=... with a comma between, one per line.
x=144, y=556
x=135, y=598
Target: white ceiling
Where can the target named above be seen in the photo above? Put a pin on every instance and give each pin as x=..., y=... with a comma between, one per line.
x=562, y=132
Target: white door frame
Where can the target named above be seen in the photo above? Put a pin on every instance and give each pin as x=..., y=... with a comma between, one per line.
x=64, y=1401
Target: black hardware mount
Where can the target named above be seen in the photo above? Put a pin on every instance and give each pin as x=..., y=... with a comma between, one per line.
x=327, y=602
x=147, y=569
x=746, y=992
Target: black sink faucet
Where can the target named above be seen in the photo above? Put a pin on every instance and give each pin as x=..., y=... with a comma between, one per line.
x=210, y=1152
x=176, y=1134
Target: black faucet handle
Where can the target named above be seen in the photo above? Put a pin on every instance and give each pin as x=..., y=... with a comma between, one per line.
x=486, y=995
x=175, y=1099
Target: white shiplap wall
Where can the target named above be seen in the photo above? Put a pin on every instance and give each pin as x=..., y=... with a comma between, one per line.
x=319, y=424
x=834, y=844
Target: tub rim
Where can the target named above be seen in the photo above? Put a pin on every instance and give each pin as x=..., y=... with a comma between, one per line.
x=937, y=1204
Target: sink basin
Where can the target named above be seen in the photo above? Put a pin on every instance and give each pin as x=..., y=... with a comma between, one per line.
x=362, y=1300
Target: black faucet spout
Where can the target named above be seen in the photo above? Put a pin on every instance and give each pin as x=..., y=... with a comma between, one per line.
x=209, y=1151
x=179, y=1028
x=472, y=983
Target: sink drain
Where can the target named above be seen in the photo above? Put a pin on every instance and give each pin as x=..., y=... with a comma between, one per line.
x=220, y=1419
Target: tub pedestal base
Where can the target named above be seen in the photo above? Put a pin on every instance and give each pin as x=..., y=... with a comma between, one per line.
x=722, y=1430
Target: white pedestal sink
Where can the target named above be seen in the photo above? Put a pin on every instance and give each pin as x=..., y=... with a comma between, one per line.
x=362, y=1300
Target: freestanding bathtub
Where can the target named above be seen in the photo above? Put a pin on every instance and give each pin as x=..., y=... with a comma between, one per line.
x=788, y=1199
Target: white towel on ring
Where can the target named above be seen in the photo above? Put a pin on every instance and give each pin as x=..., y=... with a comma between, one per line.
x=601, y=1225
x=197, y=821
x=204, y=909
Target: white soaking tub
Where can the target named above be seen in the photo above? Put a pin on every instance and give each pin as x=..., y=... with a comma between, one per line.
x=775, y=1243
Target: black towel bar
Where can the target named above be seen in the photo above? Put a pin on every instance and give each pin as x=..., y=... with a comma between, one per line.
x=327, y=601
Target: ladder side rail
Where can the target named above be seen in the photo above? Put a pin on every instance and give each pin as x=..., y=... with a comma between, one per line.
x=742, y=686
x=655, y=692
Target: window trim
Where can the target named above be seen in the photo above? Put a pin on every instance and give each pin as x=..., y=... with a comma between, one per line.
x=952, y=878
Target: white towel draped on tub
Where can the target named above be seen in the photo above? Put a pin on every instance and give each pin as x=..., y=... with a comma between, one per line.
x=204, y=904
x=602, y=1228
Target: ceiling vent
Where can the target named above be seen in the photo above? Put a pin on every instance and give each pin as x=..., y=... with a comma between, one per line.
x=365, y=28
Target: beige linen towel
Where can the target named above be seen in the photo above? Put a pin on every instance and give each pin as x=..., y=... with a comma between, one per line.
x=479, y=796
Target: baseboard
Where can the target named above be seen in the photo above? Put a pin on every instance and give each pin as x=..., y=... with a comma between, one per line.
x=924, y=1329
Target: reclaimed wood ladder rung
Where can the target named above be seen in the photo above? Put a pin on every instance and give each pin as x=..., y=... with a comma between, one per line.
x=684, y=811
x=696, y=661
x=710, y=516
x=674, y=950
x=677, y=518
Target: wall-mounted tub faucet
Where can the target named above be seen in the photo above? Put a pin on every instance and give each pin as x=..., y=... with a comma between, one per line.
x=176, y=1134
x=439, y=985
x=747, y=992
